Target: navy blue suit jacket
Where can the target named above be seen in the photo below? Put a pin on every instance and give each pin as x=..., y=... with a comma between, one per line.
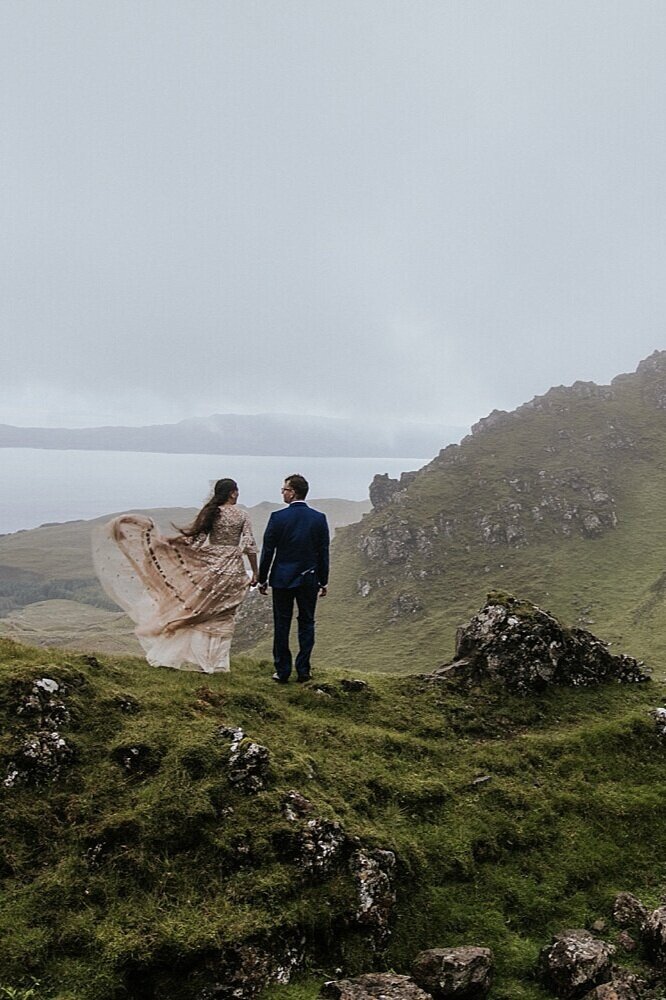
x=295, y=545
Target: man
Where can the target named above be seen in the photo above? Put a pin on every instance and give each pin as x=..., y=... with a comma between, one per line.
x=295, y=550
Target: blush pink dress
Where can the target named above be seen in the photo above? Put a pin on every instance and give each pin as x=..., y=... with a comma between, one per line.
x=182, y=593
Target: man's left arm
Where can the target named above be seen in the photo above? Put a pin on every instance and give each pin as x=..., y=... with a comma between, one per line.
x=323, y=559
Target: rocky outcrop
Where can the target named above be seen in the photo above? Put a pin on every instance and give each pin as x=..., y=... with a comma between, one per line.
x=373, y=875
x=316, y=843
x=653, y=373
x=464, y=973
x=392, y=542
x=655, y=935
x=575, y=963
x=41, y=755
x=382, y=489
x=245, y=971
x=528, y=649
x=373, y=986
x=248, y=763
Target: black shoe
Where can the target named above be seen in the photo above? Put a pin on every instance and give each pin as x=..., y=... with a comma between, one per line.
x=280, y=680
x=303, y=678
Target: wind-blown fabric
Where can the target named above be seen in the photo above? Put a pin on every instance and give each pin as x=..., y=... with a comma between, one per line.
x=182, y=593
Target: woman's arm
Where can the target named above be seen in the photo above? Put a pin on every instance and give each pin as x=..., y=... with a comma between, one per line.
x=252, y=557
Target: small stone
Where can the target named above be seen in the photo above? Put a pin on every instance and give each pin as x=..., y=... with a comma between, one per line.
x=628, y=911
x=599, y=926
x=625, y=940
x=353, y=685
x=373, y=986
x=464, y=973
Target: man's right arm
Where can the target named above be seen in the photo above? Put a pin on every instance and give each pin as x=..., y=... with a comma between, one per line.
x=267, y=553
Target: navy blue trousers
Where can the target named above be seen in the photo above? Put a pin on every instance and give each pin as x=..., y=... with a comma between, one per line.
x=305, y=598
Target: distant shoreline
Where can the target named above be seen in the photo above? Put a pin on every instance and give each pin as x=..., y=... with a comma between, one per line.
x=42, y=486
x=258, y=435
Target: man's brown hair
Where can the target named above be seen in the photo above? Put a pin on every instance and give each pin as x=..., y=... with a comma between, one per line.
x=299, y=485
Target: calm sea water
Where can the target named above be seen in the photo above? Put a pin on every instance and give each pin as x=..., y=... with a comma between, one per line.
x=38, y=486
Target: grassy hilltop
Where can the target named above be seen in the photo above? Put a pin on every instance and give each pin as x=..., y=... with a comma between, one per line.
x=563, y=501
x=133, y=867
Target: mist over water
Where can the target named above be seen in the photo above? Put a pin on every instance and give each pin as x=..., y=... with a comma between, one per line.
x=41, y=486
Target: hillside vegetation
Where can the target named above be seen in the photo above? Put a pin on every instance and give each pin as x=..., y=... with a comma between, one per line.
x=139, y=858
x=562, y=500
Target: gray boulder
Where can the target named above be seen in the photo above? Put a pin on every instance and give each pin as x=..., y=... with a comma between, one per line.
x=623, y=986
x=465, y=973
x=655, y=935
x=628, y=911
x=373, y=986
x=527, y=649
x=373, y=874
x=576, y=962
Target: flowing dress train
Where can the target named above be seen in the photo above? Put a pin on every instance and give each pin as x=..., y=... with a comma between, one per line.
x=182, y=593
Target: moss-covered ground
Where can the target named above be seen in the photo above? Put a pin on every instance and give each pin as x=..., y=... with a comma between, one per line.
x=137, y=885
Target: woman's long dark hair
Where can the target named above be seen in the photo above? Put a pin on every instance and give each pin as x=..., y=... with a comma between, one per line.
x=203, y=522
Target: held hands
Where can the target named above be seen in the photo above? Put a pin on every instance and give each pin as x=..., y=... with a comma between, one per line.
x=253, y=580
x=263, y=589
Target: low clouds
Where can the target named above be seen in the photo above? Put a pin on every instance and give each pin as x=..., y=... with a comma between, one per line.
x=392, y=208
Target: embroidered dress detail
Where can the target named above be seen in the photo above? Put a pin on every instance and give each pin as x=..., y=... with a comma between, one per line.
x=182, y=593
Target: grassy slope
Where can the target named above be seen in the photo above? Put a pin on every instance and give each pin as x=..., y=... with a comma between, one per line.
x=575, y=810
x=615, y=583
x=62, y=551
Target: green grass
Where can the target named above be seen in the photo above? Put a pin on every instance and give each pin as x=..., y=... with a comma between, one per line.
x=574, y=812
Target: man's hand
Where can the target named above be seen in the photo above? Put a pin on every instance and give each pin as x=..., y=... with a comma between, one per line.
x=323, y=591
x=262, y=588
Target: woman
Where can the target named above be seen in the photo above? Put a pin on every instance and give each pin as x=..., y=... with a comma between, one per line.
x=183, y=592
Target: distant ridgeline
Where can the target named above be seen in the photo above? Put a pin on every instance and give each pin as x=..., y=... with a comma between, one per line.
x=246, y=434
x=563, y=500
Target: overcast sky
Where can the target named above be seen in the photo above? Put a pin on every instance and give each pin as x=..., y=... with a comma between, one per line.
x=417, y=208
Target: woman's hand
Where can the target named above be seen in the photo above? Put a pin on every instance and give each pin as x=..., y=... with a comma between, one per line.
x=253, y=580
